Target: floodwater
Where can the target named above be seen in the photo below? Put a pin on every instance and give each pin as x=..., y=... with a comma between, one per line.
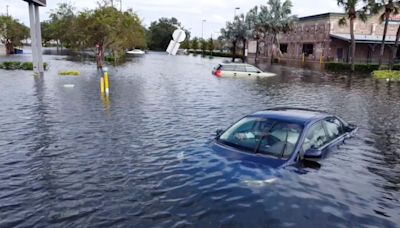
x=71, y=158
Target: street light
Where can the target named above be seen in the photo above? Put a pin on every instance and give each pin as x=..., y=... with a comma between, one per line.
x=236, y=8
x=202, y=28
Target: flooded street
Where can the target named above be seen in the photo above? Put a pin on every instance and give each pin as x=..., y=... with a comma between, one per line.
x=69, y=157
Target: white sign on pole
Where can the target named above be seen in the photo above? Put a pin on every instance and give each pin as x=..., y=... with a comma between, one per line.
x=178, y=36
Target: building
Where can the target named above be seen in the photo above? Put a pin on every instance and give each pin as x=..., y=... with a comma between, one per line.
x=2, y=49
x=321, y=36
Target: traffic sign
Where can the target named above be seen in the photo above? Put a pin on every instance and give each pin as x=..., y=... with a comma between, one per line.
x=37, y=2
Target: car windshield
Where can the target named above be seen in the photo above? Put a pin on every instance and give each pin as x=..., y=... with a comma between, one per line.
x=264, y=136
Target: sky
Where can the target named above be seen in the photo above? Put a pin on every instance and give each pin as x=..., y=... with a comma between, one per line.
x=190, y=13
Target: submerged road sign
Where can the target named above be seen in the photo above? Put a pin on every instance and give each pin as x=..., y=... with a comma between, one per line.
x=178, y=36
x=36, y=34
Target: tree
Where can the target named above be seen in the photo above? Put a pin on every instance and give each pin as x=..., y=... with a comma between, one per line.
x=234, y=32
x=109, y=30
x=351, y=13
x=210, y=45
x=389, y=8
x=394, y=50
x=61, y=25
x=160, y=33
x=276, y=18
x=255, y=26
x=204, y=45
x=195, y=44
x=12, y=33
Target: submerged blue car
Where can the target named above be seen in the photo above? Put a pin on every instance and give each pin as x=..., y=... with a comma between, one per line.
x=281, y=137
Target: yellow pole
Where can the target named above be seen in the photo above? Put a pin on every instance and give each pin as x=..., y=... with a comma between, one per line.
x=303, y=58
x=102, y=85
x=106, y=84
x=321, y=59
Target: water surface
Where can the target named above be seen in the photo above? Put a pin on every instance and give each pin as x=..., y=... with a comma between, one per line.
x=69, y=157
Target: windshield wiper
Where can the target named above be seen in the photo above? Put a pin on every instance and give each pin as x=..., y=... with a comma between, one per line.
x=263, y=136
x=284, y=146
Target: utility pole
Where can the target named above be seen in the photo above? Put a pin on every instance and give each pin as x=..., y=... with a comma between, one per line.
x=7, y=6
x=202, y=28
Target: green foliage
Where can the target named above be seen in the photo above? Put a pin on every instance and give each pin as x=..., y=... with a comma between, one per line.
x=69, y=73
x=214, y=53
x=204, y=45
x=387, y=74
x=112, y=30
x=195, y=43
x=160, y=33
x=366, y=68
x=19, y=66
x=12, y=33
x=210, y=44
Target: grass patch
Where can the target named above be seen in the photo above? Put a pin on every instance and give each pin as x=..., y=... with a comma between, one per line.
x=19, y=66
x=392, y=75
x=69, y=73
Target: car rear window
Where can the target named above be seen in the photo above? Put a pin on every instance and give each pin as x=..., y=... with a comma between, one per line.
x=228, y=68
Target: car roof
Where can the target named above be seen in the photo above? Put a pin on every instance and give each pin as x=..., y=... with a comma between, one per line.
x=235, y=64
x=293, y=115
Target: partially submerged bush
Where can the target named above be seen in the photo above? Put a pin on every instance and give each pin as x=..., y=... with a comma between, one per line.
x=19, y=66
x=392, y=75
x=69, y=73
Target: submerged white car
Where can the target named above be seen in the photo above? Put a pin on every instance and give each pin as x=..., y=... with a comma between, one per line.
x=241, y=70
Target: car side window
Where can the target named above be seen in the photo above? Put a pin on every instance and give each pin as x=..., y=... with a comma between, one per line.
x=240, y=68
x=334, y=128
x=252, y=69
x=315, y=137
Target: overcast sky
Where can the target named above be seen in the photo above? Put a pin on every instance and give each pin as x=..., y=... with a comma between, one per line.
x=189, y=12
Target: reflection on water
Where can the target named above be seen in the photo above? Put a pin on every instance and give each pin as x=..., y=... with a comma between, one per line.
x=71, y=157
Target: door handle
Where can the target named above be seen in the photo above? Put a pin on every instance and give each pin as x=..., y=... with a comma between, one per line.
x=249, y=74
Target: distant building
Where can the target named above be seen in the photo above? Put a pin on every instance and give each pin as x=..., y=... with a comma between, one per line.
x=2, y=49
x=321, y=36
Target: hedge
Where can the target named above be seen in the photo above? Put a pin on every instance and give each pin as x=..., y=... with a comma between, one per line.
x=392, y=75
x=215, y=54
x=19, y=66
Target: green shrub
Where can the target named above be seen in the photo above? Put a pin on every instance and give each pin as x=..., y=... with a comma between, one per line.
x=393, y=75
x=19, y=66
x=69, y=73
x=366, y=68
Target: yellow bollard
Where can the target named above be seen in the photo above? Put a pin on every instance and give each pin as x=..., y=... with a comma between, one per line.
x=303, y=58
x=321, y=59
x=102, y=85
x=106, y=84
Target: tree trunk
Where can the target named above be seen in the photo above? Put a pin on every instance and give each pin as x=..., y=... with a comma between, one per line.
x=387, y=14
x=396, y=46
x=100, y=56
x=353, y=44
x=244, y=51
x=257, y=47
x=234, y=51
x=9, y=48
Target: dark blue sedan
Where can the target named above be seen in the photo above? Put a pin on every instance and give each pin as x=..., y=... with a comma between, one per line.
x=281, y=137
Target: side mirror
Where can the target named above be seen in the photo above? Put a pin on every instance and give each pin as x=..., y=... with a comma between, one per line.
x=312, y=154
x=258, y=72
x=218, y=133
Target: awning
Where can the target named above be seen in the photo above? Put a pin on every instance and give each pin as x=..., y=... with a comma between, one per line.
x=366, y=39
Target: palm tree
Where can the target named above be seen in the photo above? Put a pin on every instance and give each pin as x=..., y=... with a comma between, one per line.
x=255, y=27
x=389, y=8
x=394, y=50
x=276, y=18
x=352, y=14
x=234, y=32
